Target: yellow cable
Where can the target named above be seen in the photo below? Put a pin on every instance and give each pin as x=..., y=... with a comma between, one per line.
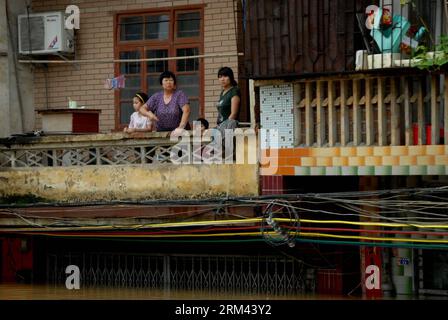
x=228, y=222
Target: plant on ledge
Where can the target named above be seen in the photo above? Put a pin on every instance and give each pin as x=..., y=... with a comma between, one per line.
x=423, y=58
x=427, y=60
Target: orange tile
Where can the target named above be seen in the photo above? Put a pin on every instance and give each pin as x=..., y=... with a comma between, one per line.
x=381, y=151
x=417, y=150
x=293, y=161
x=442, y=160
x=340, y=161
x=286, y=171
x=348, y=151
x=426, y=160
x=391, y=161
x=324, y=161
x=308, y=162
x=364, y=151
x=399, y=151
x=356, y=161
x=302, y=152
x=325, y=152
x=435, y=150
x=408, y=161
x=373, y=161
x=295, y=152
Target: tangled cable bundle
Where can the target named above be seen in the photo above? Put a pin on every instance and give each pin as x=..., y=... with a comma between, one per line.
x=282, y=234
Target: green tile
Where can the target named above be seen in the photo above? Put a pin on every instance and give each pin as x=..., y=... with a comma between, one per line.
x=302, y=171
x=436, y=170
x=383, y=170
x=334, y=171
x=418, y=170
x=349, y=171
x=318, y=171
x=400, y=170
x=366, y=171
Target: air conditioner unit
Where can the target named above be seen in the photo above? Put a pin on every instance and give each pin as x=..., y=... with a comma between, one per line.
x=44, y=34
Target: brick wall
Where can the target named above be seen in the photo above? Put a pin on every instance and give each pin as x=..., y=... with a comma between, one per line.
x=95, y=41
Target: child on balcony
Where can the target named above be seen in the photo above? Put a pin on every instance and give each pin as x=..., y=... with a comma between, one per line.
x=139, y=122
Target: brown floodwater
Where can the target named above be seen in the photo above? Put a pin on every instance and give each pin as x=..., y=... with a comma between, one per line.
x=48, y=292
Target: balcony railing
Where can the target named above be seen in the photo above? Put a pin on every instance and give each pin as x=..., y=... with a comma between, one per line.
x=84, y=150
x=369, y=110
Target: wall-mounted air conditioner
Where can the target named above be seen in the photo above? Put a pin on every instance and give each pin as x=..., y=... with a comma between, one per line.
x=44, y=33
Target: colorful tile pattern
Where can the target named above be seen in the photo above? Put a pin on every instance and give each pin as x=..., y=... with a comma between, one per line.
x=361, y=161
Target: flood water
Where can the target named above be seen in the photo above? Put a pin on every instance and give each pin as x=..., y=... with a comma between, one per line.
x=43, y=292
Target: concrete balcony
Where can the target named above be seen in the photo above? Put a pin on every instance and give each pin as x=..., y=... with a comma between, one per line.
x=103, y=167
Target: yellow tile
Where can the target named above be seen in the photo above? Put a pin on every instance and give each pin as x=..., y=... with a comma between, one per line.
x=391, y=161
x=435, y=150
x=308, y=162
x=348, y=151
x=373, y=161
x=325, y=152
x=381, y=151
x=408, y=161
x=324, y=162
x=426, y=160
x=442, y=160
x=417, y=150
x=399, y=151
x=364, y=151
x=356, y=161
x=340, y=161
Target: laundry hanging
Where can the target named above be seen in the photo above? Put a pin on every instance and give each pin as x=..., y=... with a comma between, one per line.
x=115, y=83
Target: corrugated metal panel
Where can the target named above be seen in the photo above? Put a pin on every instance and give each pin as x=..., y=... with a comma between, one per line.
x=290, y=37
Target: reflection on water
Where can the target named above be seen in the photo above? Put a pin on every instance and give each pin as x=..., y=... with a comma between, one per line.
x=42, y=292
x=47, y=292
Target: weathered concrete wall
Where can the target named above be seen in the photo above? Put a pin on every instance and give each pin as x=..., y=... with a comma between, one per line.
x=95, y=183
x=16, y=80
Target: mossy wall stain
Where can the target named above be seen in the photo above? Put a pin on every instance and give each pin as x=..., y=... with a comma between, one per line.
x=97, y=183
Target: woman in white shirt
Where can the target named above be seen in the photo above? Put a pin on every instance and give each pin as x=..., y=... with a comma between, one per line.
x=139, y=122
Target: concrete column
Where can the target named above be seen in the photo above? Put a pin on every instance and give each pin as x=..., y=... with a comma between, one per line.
x=16, y=80
x=5, y=127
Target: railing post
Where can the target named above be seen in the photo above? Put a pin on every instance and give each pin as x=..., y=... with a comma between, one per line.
x=357, y=138
x=435, y=125
x=309, y=123
x=297, y=125
x=98, y=156
x=142, y=155
x=420, y=114
x=369, y=114
x=382, y=128
x=409, y=132
x=331, y=115
x=344, y=114
x=395, y=114
x=320, y=121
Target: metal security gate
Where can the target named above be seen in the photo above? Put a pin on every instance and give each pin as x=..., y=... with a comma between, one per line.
x=238, y=274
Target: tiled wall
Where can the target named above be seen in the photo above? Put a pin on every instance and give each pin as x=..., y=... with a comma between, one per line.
x=276, y=112
x=361, y=161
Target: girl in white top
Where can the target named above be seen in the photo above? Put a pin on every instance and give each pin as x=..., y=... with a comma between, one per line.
x=138, y=122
